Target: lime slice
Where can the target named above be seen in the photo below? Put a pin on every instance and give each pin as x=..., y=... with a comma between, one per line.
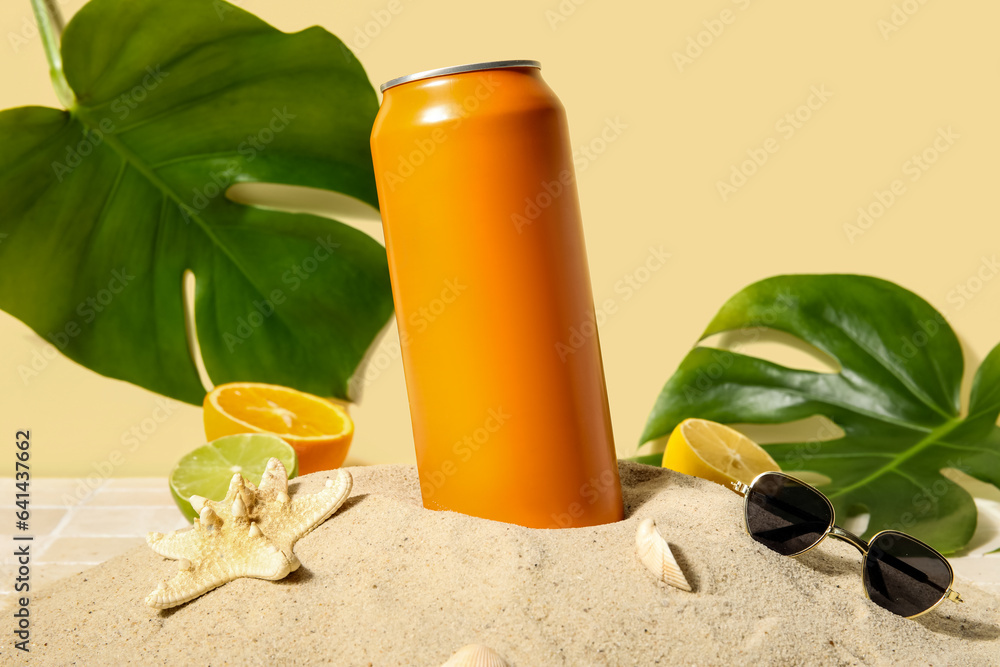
x=207, y=471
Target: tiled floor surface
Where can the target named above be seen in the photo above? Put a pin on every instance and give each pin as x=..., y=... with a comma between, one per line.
x=76, y=526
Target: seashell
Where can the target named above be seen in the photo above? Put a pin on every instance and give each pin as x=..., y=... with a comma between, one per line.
x=655, y=554
x=476, y=655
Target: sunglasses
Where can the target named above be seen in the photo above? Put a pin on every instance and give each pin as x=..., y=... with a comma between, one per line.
x=899, y=573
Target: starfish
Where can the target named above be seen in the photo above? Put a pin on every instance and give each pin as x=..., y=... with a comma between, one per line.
x=250, y=533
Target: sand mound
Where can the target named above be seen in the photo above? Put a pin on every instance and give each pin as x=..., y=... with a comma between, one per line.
x=385, y=582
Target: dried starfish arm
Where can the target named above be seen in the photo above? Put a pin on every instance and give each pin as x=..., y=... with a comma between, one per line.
x=297, y=516
x=262, y=561
x=182, y=544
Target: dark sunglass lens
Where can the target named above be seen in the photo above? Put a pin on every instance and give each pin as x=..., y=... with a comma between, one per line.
x=786, y=515
x=903, y=575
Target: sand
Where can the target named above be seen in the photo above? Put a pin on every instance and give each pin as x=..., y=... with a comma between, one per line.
x=386, y=582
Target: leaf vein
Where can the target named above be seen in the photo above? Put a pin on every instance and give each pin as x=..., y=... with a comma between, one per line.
x=915, y=390
x=95, y=228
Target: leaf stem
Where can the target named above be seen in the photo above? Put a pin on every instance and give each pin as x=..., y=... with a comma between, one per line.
x=934, y=436
x=50, y=27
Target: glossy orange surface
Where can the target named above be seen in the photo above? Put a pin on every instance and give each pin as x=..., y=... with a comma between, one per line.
x=493, y=300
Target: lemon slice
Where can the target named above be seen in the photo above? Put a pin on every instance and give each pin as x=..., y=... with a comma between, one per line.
x=715, y=452
x=320, y=431
x=207, y=470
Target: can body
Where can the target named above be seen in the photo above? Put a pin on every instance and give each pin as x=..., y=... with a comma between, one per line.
x=493, y=300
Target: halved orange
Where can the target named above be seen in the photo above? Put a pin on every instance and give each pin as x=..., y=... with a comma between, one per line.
x=320, y=431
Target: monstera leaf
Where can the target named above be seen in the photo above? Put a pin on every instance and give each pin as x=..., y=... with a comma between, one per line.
x=108, y=203
x=896, y=398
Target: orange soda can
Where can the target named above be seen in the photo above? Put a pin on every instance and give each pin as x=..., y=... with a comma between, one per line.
x=492, y=291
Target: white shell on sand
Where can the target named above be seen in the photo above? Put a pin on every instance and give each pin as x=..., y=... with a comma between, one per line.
x=476, y=655
x=250, y=533
x=655, y=554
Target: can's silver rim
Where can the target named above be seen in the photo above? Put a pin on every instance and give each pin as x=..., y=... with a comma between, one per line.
x=458, y=69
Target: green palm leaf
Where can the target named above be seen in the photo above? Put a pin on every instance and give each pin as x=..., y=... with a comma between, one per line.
x=109, y=203
x=896, y=398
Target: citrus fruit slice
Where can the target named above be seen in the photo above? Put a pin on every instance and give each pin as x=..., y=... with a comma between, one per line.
x=207, y=470
x=715, y=452
x=320, y=431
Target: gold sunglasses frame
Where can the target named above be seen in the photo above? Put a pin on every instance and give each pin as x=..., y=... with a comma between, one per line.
x=836, y=532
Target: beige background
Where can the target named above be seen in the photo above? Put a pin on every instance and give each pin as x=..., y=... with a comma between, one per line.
x=654, y=185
